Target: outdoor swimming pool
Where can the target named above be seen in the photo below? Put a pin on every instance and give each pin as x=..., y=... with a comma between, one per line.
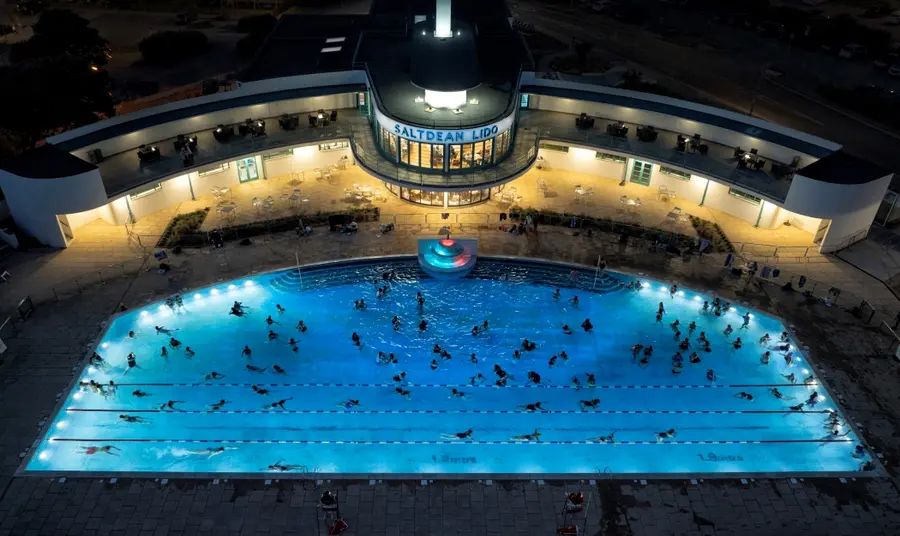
x=318, y=430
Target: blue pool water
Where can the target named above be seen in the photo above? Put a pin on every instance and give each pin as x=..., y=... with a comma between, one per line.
x=715, y=431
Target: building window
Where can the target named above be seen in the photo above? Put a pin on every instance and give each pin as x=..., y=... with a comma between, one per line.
x=455, y=157
x=554, y=147
x=213, y=170
x=610, y=157
x=404, y=150
x=145, y=193
x=468, y=156
x=460, y=199
x=678, y=174
x=426, y=157
x=334, y=145
x=524, y=102
x=421, y=197
x=640, y=172
x=502, y=144
x=488, y=151
x=437, y=156
x=285, y=153
x=752, y=199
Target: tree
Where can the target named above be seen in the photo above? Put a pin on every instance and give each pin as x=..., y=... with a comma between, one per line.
x=60, y=32
x=52, y=94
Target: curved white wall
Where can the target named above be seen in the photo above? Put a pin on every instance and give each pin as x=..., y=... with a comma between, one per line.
x=34, y=203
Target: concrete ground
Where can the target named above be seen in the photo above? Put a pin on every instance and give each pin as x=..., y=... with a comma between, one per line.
x=43, y=356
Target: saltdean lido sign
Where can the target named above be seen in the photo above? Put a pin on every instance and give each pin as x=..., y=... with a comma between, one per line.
x=427, y=135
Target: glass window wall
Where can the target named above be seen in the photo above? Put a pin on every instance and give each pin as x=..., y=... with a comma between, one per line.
x=455, y=157
x=468, y=157
x=404, y=150
x=436, y=199
x=426, y=159
x=415, y=149
x=450, y=157
x=437, y=156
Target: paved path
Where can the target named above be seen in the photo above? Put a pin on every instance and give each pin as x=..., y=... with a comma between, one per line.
x=41, y=359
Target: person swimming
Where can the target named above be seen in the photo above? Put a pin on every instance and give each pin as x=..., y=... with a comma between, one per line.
x=691, y=328
x=163, y=352
x=403, y=392
x=813, y=399
x=174, y=343
x=477, y=379
x=608, y=439
x=259, y=390
x=659, y=318
x=644, y=362
x=587, y=326
x=139, y=394
x=789, y=358
x=776, y=393
x=585, y=404
x=133, y=419
x=459, y=435
x=279, y=370
x=744, y=396
x=349, y=404
x=131, y=334
x=705, y=307
x=280, y=309
x=188, y=352
x=278, y=404
x=284, y=468
x=591, y=381
x=423, y=325
x=738, y=344
x=131, y=362
x=668, y=434
x=574, y=301
x=784, y=337
x=517, y=355
x=765, y=339
x=534, y=436
x=218, y=405
x=565, y=329
x=97, y=361
x=293, y=344
x=764, y=359
x=246, y=352
x=105, y=449
x=301, y=327
x=556, y=294
x=355, y=338
x=635, y=350
x=661, y=310
x=272, y=335
x=711, y=375
x=674, y=325
x=798, y=407
x=213, y=376
x=456, y=393
x=270, y=321
x=163, y=330
x=420, y=300
x=790, y=377
x=395, y=322
x=257, y=370
x=684, y=344
x=473, y=359
x=673, y=290
x=211, y=451
x=534, y=377
x=170, y=405
x=728, y=330
x=575, y=383
x=694, y=358
x=400, y=378
x=434, y=364
x=536, y=406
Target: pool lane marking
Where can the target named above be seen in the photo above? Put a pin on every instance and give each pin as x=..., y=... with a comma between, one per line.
x=455, y=411
x=462, y=385
x=446, y=442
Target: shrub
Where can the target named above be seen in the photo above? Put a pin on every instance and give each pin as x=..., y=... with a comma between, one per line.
x=181, y=225
x=172, y=46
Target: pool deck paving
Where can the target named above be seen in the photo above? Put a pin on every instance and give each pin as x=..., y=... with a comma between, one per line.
x=48, y=348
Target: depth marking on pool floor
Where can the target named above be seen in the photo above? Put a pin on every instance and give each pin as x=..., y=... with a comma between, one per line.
x=392, y=385
x=446, y=442
x=429, y=411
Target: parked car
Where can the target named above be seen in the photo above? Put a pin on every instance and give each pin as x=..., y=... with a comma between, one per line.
x=894, y=70
x=852, y=51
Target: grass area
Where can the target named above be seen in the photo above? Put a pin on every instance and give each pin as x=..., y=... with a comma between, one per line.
x=182, y=224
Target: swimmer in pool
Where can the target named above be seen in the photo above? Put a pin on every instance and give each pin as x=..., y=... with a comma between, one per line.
x=784, y=337
x=131, y=334
x=423, y=325
x=789, y=358
x=270, y=321
x=279, y=370
x=259, y=390
x=566, y=330
x=556, y=294
x=211, y=451
x=188, y=352
x=694, y=358
x=133, y=418
x=213, y=376
x=813, y=399
x=798, y=407
x=574, y=301
x=587, y=326
x=501, y=382
x=280, y=309
x=661, y=310
x=355, y=338
x=809, y=380
x=218, y=405
x=648, y=351
x=473, y=359
x=790, y=377
x=746, y=323
x=246, y=352
x=744, y=396
x=728, y=330
x=301, y=327
x=608, y=439
x=635, y=350
x=457, y=436
x=738, y=344
x=691, y=328
x=293, y=344
x=534, y=436
x=764, y=359
x=534, y=377
x=139, y=394
x=456, y=393
x=517, y=355
x=97, y=361
x=477, y=380
x=400, y=378
x=668, y=434
x=395, y=322
x=164, y=352
x=705, y=306
x=776, y=393
x=591, y=380
x=349, y=404
x=673, y=290
x=272, y=335
x=284, y=468
x=644, y=362
x=403, y=392
x=163, y=330
x=420, y=300
x=659, y=318
x=711, y=375
x=684, y=344
x=105, y=449
x=434, y=364
x=765, y=339
x=858, y=451
x=278, y=404
x=674, y=325
x=170, y=405
x=257, y=370
x=531, y=407
x=702, y=338
x=585, y=404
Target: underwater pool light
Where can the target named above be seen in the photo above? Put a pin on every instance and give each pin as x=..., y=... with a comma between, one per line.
x=214, y=291
x=62, y=424
x=144, y=313
x=104, y=345
x=45, y=455
x=78, y=395
x=198, y=296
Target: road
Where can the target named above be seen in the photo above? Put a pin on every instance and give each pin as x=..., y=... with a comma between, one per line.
x=721, y=77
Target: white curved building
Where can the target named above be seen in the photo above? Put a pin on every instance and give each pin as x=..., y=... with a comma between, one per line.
x=364, y=91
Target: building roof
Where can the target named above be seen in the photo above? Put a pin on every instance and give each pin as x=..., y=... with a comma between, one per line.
x=841, y=167
x=46, y=162
x=306, y=44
